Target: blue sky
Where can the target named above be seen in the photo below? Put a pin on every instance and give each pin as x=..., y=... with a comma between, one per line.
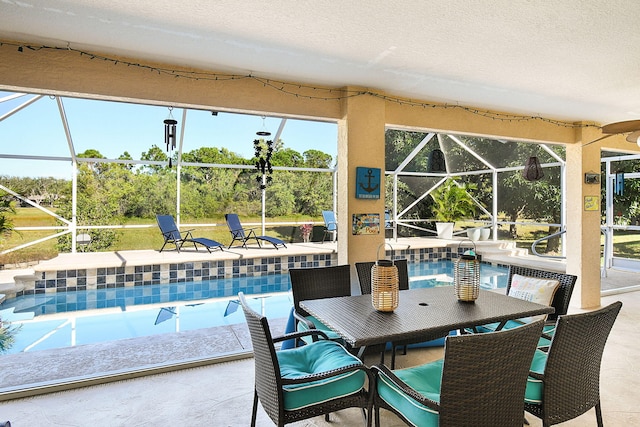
x=113, y=128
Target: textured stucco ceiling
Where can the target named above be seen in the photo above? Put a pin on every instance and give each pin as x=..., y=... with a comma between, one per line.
x=568, y=59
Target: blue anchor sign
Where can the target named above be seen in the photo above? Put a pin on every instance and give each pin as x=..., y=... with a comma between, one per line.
x=367, y=183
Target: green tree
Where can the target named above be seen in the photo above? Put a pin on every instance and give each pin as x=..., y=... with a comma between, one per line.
x=154, y=154
x=317, y=159
x=6, y=207
x=95, y=206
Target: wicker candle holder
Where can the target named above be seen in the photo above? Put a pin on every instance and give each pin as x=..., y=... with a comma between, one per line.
x=466, y=276
x=384, y=285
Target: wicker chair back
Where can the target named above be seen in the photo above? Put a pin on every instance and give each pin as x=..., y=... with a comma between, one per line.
x=319, y=282
x=561, y=298
x=572, y=372
x=364, y=275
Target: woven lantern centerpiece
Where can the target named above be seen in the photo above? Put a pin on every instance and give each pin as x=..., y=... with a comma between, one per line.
x=384, y=285
x=466, y=276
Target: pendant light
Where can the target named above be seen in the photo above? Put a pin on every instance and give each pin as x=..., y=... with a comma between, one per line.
x=532, y=169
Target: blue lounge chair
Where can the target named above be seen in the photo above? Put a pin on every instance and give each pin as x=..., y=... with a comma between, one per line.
x=330, y=225
x=172, y=234
x=245, y=234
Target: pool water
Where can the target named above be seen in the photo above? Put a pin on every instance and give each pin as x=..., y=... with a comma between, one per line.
x=83, y=317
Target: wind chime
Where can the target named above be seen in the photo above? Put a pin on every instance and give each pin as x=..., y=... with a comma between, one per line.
x=170, y=130
x=263, y=162
x=619, y=183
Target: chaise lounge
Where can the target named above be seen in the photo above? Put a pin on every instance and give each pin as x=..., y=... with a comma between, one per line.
x=243, y=235
x=173, y=235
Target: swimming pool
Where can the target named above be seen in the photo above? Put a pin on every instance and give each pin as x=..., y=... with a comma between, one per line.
x=84, y=317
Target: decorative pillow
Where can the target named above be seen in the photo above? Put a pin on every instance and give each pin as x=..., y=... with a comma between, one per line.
x=533, y=289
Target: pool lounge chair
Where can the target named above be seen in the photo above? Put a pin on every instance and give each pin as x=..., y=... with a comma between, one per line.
x=330, y=225
x=243, y=235
x=173, y=235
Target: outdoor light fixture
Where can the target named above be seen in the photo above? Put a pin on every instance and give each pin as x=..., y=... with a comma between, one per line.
x=466, y=275
x=532, y=169
x=385, y=284
x=170, y=134
x=436, y=161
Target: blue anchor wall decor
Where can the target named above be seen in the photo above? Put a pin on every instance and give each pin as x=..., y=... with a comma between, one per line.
x=367, y=183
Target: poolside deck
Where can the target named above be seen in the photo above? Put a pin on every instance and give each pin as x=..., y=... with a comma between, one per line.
x=221, y=394
x=81, y=271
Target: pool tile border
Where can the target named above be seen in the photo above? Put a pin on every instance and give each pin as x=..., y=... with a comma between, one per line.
x=165, y=273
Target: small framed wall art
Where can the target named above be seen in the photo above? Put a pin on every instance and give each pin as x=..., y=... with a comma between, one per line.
x=591, y=203
x=365, y=224
x=367, y=183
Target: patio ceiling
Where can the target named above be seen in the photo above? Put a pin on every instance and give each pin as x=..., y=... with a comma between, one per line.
x=570, y=60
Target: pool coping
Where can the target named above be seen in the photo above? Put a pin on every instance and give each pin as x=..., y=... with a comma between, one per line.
x=98, y=270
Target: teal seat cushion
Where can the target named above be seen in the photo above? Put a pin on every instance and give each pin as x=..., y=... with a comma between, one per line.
x=318, y=357
x=547, y=330
x=321, y=326
x=491, y=327
x=535, y=387
x=426, y=380
x=542, y=342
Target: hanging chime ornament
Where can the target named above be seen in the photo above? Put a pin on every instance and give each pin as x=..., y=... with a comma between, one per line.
x=532, y=169
x=263, y=162
x=170, y=131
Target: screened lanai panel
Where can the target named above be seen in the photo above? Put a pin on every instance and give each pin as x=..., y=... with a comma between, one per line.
x=115, y=128
x=525, y=201
x=495, y=153
x=412, y=188
x=216, y=131
x=400, y=144
x=457, y=157
x=36, y=129
x=305, y=135
x=236, y=133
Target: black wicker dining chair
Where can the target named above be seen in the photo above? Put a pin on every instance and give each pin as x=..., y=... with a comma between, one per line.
x=560, y=301
x=565, y=381
x=364, y=275
x=307, y=381
x=317, y=283
x=480, y=382
x=562, y=296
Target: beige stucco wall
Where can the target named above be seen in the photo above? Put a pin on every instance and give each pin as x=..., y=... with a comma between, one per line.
x=361, y=118
x=360, y=144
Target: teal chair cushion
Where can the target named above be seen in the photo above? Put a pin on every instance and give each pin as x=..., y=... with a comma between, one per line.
x=548, y=330
x=535, y=387
x=321, y=356
x=320, y=326
x=426, y=380
x=543, y=342
x=491, y=327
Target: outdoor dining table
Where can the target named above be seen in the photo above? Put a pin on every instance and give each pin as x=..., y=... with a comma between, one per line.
x=424, y=313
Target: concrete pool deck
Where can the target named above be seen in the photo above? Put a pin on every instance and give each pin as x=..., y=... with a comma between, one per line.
x=221, y=394
x=92, y=270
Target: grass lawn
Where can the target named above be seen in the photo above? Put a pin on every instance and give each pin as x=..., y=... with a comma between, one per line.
x=626, y=244
x=130, y=239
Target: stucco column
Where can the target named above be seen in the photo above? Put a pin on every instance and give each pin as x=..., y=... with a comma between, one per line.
x=360, y=144
x=583, y=219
